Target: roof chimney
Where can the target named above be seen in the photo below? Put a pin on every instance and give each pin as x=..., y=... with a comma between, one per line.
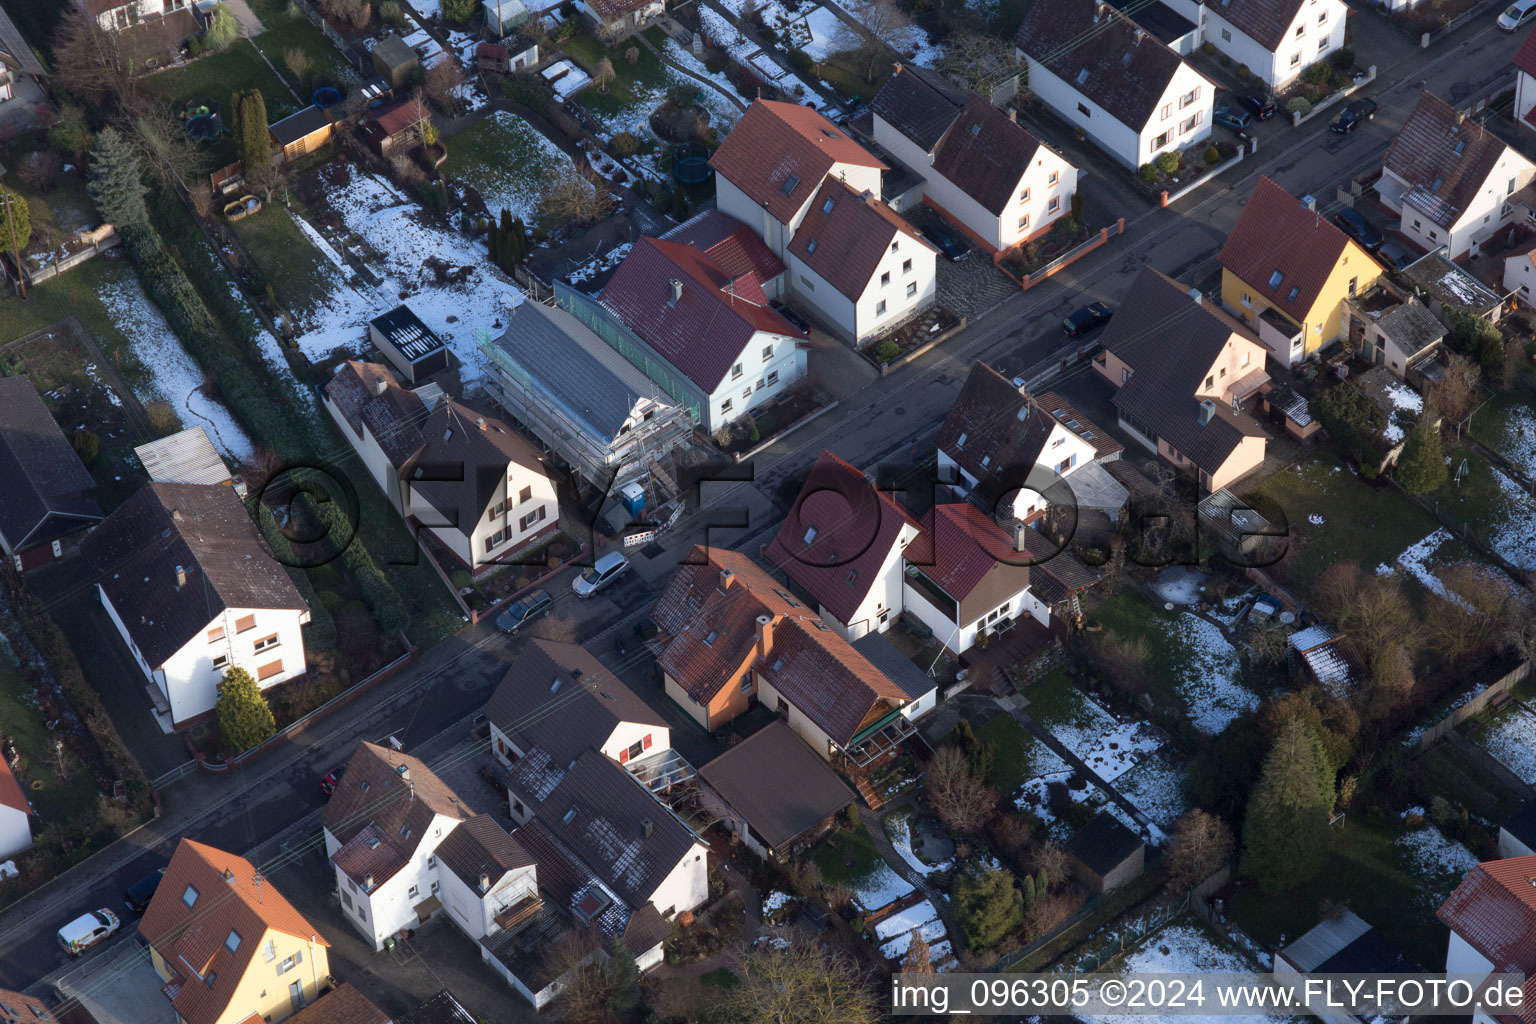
x=380, y=385
x=1013, y=114
x=368, y=883
x=677, y=291
x=181, y=576
x=1098, y=12
x=1136, y=37
x=229, y=876
x=647, y=827
x=1019, y=543
x=726, y=578
x=1207, y=410
x=176, y=515
x=764, y=633
x=485, y=882
x=480, y=422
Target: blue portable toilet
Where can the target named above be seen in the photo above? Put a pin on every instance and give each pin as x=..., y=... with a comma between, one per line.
x=632, y=497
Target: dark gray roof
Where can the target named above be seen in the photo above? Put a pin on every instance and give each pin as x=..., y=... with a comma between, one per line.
x=570, y=884
x=202, y=528
x=1158, y=18
x=404, y=329
x=440, y=1009
x=993, y=431
x=1522, y=824
x=468, y=454
x=917, y=106
x=1451, y=284
x=1104, y=843
x=1264, y=21
x=479, y=846
x=1371, y=953
x=579, y=714
x=778, y=784
x=533, y=951
x=41, y=477
x=296, y=126
x=897, y=667
x=14, y=49
x=1413, y=327
x=394, y=51
x=556, y=356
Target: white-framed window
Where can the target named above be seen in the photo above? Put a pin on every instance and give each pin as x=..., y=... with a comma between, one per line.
x=773, y=378
x=1295, y=58
x=767, y=352
x=538, y=515
x=809, y=286
x=1247, y=300
x=1189, y=97
x=885, y=278
x=1322, y=44
x=1160, y=141
x=220, y=662
x=736, y=372
x=269, y=952
x=1301, y=30
x=1053, y=178
x=1322, y=19
x=1024, y=222
x=1082, y=108
x=265, y=643
x=413, y=892
x=895, y=245
x=1189, y=124
x=880, y=308
x=725, y=406
x=906, y=266
x=1053, y=205
x=1024, y=196
x=911, y=289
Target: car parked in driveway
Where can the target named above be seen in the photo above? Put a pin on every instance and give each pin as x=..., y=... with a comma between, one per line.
x=1232, y=117
x=601, y=573
x=141, y=892
x=524, y=610
x=1087, y=318
x=1257, y=104
x=328, y=783
x=1354, y=114
x=795, y=319
x=1360, y=229
x=947, y=242
x=87, y=930
x=1395, y=254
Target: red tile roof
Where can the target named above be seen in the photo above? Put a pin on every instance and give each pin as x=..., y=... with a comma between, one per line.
x=970, y=558
x=341, y=1005
x=701, y=331
x=400, y=115
x=1444, y=156
x=230, y=897
x=1525, y=58
x=12, y=1005
x=832, y=684
x=779, y=152
x=729, y=243
x=1276, y=233
x=845, y=235
x=853, y=527
x=1494, y=910
x=10, y=790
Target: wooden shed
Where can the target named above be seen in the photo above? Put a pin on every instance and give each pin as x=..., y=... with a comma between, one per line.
x=394, y=60
x=1105, y=854
x=301, y=133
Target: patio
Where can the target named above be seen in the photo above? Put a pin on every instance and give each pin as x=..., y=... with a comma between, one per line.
x=1004, y=650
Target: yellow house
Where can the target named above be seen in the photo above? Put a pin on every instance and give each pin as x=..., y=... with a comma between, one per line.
x=1286, y=271
x=228, y=946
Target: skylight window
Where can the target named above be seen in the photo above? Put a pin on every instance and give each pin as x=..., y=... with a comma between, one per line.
x=826, y=207
x=709, y=641
x=190, y=896
x=790, y=183
x=960, y=441
x=1461, y=146
x=232, y=941
x=1436, y=186
x=810, y=534
x=1275, y=279
x=555, y=685
x=853, y=575
x=1294, y=292
x=810, y=246
x=568, y=815
x=1082, y=76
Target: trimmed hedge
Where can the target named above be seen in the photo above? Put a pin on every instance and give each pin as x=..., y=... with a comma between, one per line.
x=379, y=593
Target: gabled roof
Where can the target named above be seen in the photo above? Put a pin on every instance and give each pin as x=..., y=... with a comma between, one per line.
x=185, y=457
x=16, y=1007
x=560, y=698
x=845, y=235
x=1525, y=57
x=1266, y=22
x=231, y=903
x=41, y=477
x=1522, y=824
x=395, y=51
x=1494, y=911
x=730, y=243
x=14, y=51
x=894, y=665
x=993, y=426
x=1169, y=340
x=821, y=674
x=297, y=126
x=1107, y=58
x=919, y=106
x=970, y=558
x=1104, y=843
x=380, y=814
x=687, y=308
x=1444, y=156
x=342, y=1005
x=986, y=154
x=206, y=531
x=837, y=535
x=480, y=846
x=778, y=153
x=611, y=10
x=401, y=114
x=11, y=794
x=1412, y=326
x=1284, y=251
x=1104, y=443
x=780, y=786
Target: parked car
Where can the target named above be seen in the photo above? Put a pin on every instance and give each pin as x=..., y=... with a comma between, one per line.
x=795, y=319
x=1517, y=14
x=328, y=784
x=1358, y=228
x=141, y=892
x=1257, y=104
x=1394, y=254
x=602, y=572
x=86, y=930
x=1354, y=114
x=1080, y=321
x=524, y=610
x=947, y=242
x=1231, y=117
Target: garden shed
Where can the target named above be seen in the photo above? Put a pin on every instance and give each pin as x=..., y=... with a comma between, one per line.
x=1105, y=854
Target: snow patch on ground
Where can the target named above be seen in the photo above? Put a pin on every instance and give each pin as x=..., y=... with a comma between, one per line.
x=820, y=37
x=1183, y=949
x=1315, y=519
x=775, y=901
x=880, y=888
x=899, y=828
x=1415, y=561
x=1439, y=863
x=1179, y=585
x=1108, y=747
x=1158, y=788
x=1211, y=686
x=1519, y=441
x=1514, y=536
x=1512, y=739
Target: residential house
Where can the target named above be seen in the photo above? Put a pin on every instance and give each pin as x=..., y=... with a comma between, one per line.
x=987, y=175
x=703, y=331
x=911, y=678
x=1453, y=182
x=583, y=400
x=861, y=267
x=19, y=1008
x=149, y=33
x=1525, y=82
x=1520, y=270
x=412, y=348
x=734, y=246
x=615, y=19
x=730, y=636
x=185, y=457
x=1104, y=854
x=1401, y=334
x=1492, y=918
x=1443, y=286
x=472, y=481
x=1289, y=272
x=1274, y=39
x=1015, y=455
x=19, y=71
x=394, y=60
x=194, y=591
x=15, y=814
x=778, y=796
x=1183, y=368
x=1342, y=943
x=1517, y=833
x=341, y=1005
x=302, y=132
x=227, y=944
x=1101, y=72
x=771, y=165
x=116, y=15
x=397, y=124
x=841, y=545
x=45, y=490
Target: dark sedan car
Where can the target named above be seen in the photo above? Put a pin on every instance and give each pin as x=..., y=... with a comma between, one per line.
x=523, y=611
x=1395, y=254
x=1358, y=228
x=141, y=892
x=947, y=242
x=1080, y=321
x=795, y=319
x=1353, y=116
x=1260, y=106
x=1232, y=117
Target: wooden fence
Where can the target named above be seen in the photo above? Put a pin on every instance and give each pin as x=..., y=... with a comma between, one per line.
x=88, y=252
x=1479, y=701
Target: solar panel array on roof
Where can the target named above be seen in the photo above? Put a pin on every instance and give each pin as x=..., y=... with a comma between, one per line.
x=402, y=329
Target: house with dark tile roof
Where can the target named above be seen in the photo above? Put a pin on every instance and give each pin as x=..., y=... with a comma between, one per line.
x=981, y=170
x=194, y=591
x=776, y=795
x=730, y=636
x=45, y=490
x=1101, y=72
x=473, y=481
x=1276, y=40
x=227, y=944
x=858, y=265
x=1492, y=918
x=1182, y=368
x=703, y=329
x=1454, y=183
x=734, y=246
x=19, y=1008
x=19, y=66
x=615, y=19
x=1290, y=274
x=841, y=544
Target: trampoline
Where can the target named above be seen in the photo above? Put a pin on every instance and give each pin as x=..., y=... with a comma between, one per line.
x=690, y=164
x=203, y=127
x=326, y=96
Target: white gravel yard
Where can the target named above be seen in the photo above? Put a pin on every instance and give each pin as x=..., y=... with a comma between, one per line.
x=1211, y=685
x=1185, y=949
x=1511, y=738
x=176, y=377
x=1439, y=863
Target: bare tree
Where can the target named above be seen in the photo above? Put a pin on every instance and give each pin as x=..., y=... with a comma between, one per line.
x=1201, y=844
x=919, y=958
x=632, y=56
x=1121, y=660
x=796, y=982
x=979, y=61
x=604, y=75
x=961, y=800
x=1475, y=611
x=881, y=27
x=574, y=195
x=202, y=199
x=442, y=84
x=163, y=145
x=1459, y=390
x=41, y=168
x=297, y=60
x=1269, y=644
x=1050, y=862
x=88, y=61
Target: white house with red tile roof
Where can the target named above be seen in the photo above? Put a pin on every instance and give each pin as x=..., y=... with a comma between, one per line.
x=711, y=326
x=1525, y=82
x=841, y=544
x=15, y=823
x=1492, y=918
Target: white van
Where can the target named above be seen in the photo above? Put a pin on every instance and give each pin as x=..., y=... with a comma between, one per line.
x=1517, y=14
x=86, y=930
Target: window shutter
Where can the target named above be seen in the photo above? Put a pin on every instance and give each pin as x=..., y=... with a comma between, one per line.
x=647, y=741
x=623, y=755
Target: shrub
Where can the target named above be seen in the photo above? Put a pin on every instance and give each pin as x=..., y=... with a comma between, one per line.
x=1243, y=72
x=1317, y=74
x=431, y=195
x=383, y=600
x=459, y=10
x=461, y=579
x=1209, y=49
x=529, y=90
x=801, y=61
x=1168, y=162
x=625, y=144
x=245, y=719
x=390, y=12
x=87, y=445
x=716, y=62
x=886, y=350
x=1299, y=105
x=320, y=634
x=162, y=417
x=1343, y=58
x=1149, y=172
x=1212, y=155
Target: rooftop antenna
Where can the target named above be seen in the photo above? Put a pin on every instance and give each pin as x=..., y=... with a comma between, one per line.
x=256, y=881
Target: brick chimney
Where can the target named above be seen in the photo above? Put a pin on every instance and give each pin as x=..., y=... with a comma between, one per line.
x=181, y=576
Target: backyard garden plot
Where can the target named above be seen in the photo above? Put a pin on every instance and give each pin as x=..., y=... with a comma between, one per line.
x=1185, y=948
x=894, y=934
x=741, y=49
x=898, y=826
x=1159, y=787
x=1211, y=681
x=1105, y=744
x=506, y=160
x=1490, y=502
x=848, y=858
x=1510, y=736
x=1508, y=426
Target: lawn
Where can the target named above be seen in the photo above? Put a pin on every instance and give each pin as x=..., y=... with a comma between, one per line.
x=218, y=76
x=1507, y=425
x=845, y=73
x=1371, y=871
x=290, y=30
x=853, y=857
x=76, y=292
x=635, y=85
x=300, y=277
x=1445, y=770
x=505, y=159
x=54, y=798
x=1015, y=747
x=58, y=213
x=1488, y=503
